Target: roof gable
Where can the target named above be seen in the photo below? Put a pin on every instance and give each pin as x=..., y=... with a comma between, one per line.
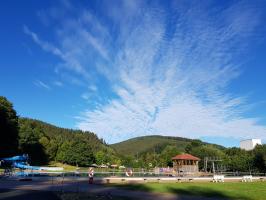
x=185, y=157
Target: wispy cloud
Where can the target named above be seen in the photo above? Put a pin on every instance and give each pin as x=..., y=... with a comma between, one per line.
x=45, y=45
x=86, y=96
x=169, y=71
x=58, y=83
x=69, y=61
x=41, y=84
x=93, y=88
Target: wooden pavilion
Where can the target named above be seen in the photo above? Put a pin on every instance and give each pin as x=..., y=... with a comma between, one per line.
x=185, y=164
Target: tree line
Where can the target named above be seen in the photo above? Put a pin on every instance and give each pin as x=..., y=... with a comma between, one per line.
x=45, y=143
x=231, y=159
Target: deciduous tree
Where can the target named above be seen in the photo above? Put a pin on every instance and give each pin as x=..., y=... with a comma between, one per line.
x=8, y=128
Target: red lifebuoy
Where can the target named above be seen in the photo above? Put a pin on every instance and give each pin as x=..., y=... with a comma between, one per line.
x=129, y=172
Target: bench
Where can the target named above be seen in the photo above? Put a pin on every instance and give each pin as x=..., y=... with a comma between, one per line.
x=247, y=178
x=262, y=179
x=179, y=180
x=218, y=178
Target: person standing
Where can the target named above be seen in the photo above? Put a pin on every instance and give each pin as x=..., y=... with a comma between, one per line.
x=91, y=173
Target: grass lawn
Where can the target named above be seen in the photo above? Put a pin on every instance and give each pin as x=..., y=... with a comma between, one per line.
x=241, y=191
x=67, y=168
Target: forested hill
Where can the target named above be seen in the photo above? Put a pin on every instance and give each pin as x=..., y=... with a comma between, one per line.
x=157, y=143
x=52, y=131
x=45, y=142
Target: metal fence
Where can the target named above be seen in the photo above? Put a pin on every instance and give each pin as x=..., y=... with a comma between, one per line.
x=121, y=174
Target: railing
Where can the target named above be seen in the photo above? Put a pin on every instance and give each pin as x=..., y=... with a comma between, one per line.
x=120, y=173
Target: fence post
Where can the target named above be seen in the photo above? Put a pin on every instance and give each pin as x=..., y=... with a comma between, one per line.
x=62, y=183
x=52, y=183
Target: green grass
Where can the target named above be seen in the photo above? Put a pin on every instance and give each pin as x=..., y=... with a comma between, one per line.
x=66, y=167
x=149, y=143
x=233, y=191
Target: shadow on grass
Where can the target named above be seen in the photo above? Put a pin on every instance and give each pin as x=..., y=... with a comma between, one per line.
x=205, y=192
x=188, y=191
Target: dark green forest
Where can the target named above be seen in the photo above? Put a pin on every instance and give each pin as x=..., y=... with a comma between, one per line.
x=45, y=143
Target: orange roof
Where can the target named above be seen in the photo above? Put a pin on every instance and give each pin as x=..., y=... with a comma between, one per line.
x=185, y=157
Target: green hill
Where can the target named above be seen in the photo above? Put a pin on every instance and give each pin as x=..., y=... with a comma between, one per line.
x=45, y=142
x=51, y=131
x=152, y=143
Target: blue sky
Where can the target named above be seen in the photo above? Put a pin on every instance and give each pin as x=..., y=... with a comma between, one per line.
x=123, y=69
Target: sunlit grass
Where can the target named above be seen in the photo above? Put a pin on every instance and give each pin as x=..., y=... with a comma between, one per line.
x=65, y=166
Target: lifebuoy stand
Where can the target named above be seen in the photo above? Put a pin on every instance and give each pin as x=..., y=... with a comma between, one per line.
x=129, y=172
x=90, y=174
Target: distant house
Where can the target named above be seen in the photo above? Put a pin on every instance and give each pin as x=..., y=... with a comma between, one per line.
x=185, y=164
x=249, y=144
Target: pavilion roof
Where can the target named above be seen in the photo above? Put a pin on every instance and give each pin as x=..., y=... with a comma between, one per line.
x=185, y=157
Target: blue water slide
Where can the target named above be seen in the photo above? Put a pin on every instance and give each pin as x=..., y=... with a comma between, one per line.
x=21, y=165
x=22, y=158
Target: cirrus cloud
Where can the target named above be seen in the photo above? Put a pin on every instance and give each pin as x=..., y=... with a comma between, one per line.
x=168, y=69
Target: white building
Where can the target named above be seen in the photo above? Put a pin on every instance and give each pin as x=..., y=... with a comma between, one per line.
x=249, y=144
